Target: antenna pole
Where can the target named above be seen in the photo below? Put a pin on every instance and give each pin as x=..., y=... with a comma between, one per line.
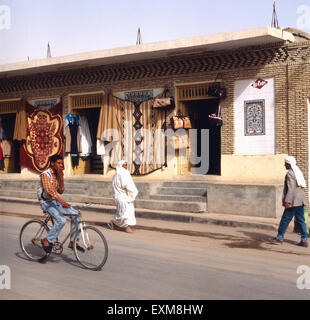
x=139, y=37
x=274, y=22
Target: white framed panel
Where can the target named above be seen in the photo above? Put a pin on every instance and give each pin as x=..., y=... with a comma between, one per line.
x=245, y=91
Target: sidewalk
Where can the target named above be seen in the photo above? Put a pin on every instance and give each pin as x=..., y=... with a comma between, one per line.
x=180, y=222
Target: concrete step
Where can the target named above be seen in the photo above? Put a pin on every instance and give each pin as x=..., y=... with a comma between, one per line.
x=152, y=204
x=156, y=202
x=76, y=185
x=171, y=205
x=178, y=198
x=187, y=184
x=181, y=191
x=18, y=185
x=23, y=194
x=178, y=206
x=76, y=191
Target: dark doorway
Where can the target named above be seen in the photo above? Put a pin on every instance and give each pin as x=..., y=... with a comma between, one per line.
x=199, y=112
x=92, y=116
x=7, y=125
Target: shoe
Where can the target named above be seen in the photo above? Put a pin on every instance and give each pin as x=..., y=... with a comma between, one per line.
x=110, y=225
x=275, y=241
x=47, y=247
x=79, y=248
x=128, y=230
x=303, y=244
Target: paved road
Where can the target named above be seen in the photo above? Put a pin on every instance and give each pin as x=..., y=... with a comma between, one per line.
x=221, y=263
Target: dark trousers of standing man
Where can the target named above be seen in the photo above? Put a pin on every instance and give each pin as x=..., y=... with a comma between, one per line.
x=287, y=217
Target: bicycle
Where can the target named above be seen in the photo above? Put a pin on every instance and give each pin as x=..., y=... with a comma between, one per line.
x=93, y=241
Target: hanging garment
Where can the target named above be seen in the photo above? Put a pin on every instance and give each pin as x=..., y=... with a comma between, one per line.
x=17, y=145
x=100, y=149
x=1, y=129
x=20, y=128
x=7, y=148
x=74, y=145
x=1, y=157
x=67, y=135
x=73, y=138
x=72, y=118
x=86, y=140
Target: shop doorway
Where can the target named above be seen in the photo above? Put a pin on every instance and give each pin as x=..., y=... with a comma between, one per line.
x=95, y=161
x=10, y=149
x=88, y=107
x=199, y=111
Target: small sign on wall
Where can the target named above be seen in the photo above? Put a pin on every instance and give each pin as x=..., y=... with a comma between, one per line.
x=259, y=83
x=45, y=104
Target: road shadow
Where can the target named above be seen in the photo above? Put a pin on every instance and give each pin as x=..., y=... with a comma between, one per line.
x=257, y=240
x=53, y=258
x=266, y=238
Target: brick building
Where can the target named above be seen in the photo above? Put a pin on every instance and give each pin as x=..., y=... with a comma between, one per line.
x=265, y=73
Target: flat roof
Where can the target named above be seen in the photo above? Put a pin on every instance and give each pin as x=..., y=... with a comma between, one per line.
x=213, y=42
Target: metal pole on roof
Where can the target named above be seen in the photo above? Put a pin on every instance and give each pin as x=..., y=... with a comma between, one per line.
x=49, y=54
x=139, y=37
x=274, y=22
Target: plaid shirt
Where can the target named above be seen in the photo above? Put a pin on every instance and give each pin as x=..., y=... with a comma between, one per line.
x=52, y=186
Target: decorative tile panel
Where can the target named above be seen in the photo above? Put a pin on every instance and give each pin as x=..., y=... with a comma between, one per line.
x=254, y=117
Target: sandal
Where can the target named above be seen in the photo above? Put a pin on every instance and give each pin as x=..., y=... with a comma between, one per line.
x=110, y=225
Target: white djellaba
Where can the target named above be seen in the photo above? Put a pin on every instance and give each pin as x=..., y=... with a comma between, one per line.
x=125, y=193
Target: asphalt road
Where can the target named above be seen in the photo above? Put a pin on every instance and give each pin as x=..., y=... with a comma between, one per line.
x=222, y=263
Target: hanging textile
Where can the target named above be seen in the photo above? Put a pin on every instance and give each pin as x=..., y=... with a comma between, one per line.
x=1, y=129
x=44, y=137
x=20, y=129
x=134, y=125
x=67, y=134
x=1, y=157
x=7, y=148
x=86, y=140
x=73, y=139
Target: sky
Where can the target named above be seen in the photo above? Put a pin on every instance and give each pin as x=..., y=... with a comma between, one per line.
x=77, y=26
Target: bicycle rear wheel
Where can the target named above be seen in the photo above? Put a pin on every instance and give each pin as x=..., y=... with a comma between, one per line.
x=95, y=248
x=30, y=239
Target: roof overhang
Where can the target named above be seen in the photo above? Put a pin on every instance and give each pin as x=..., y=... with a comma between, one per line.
x=220, y=41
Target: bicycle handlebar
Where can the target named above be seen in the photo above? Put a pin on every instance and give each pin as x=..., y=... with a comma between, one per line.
x=85, y=205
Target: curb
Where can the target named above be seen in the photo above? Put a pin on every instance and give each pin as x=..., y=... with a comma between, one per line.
x=152, y=215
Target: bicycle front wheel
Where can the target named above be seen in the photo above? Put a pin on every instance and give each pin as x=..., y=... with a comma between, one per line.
x=95, y=247
x=30, y=239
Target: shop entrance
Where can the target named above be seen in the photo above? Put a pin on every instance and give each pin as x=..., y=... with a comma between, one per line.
x=199, y=112
x=194, y=100
x=95, y=165
x=10, y=149
x=87, y=107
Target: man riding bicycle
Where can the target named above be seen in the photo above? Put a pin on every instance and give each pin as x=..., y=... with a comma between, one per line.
x=51, y=184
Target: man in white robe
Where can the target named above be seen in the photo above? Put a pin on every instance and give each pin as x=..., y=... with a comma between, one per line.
x=125, y=193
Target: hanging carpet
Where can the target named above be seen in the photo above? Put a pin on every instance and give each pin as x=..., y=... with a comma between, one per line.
x=44, y=137
x=136, y=137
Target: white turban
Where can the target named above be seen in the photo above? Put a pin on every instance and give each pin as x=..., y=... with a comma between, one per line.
x=298, y=174
x=120, y=164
